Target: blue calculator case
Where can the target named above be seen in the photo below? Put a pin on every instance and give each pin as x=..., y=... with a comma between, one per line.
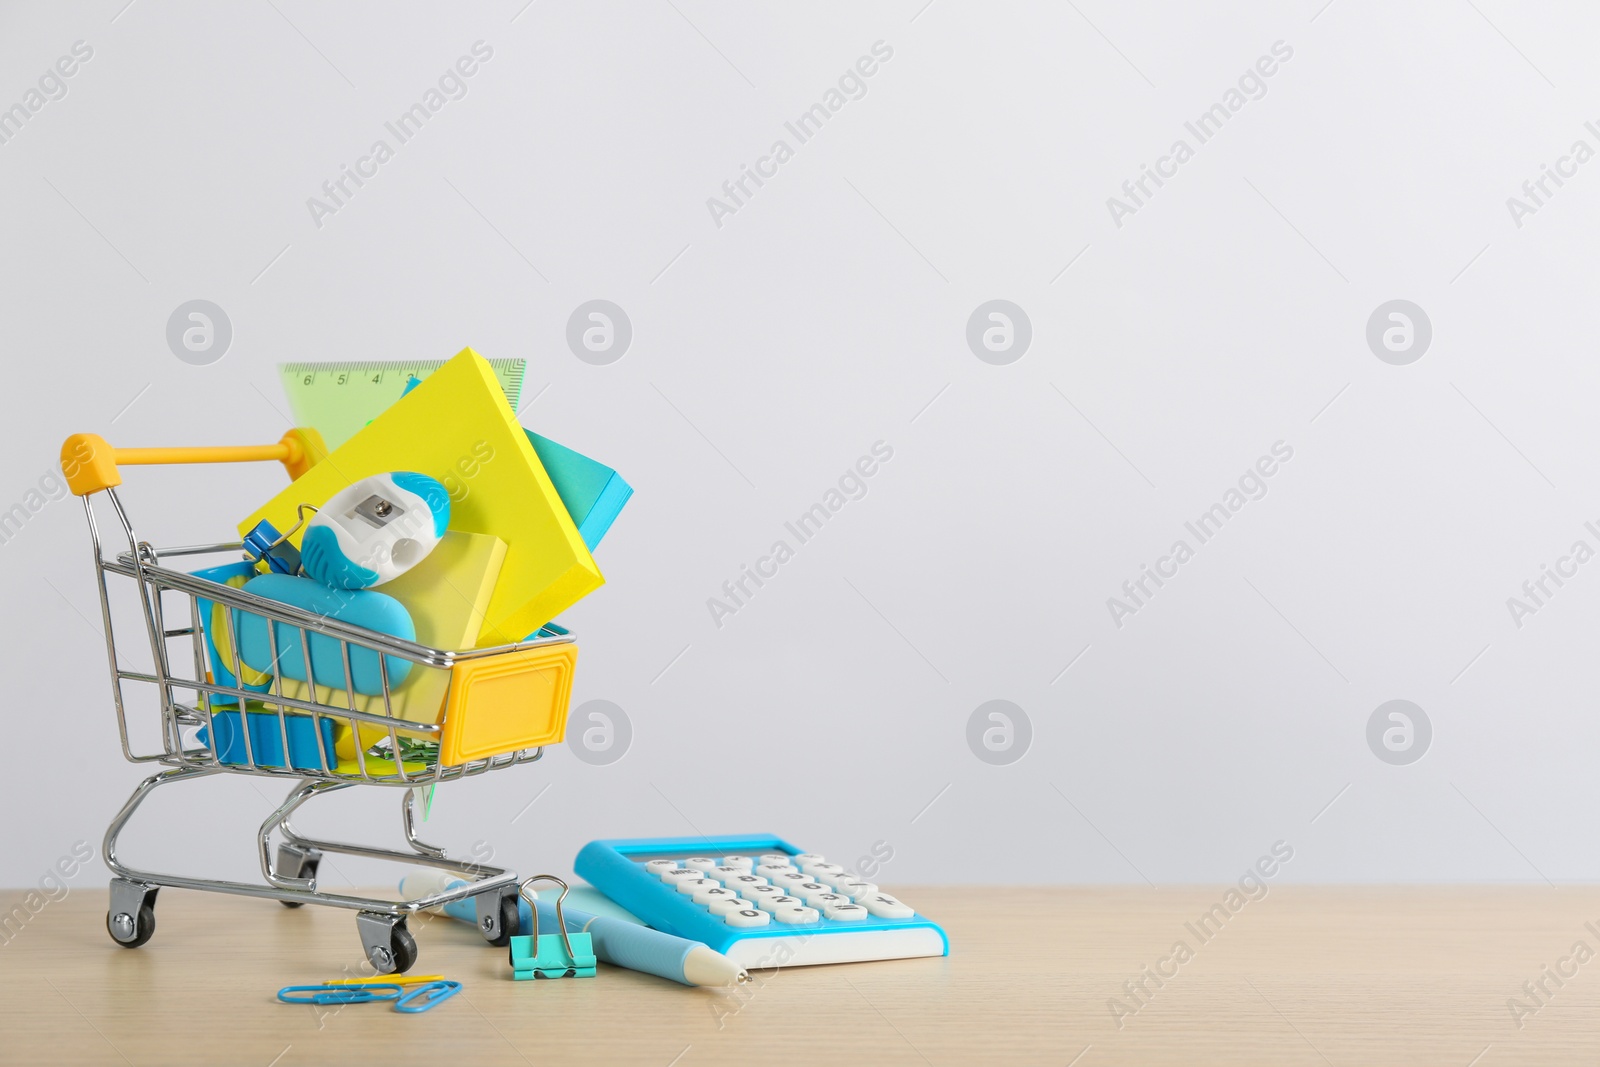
x=617, y=868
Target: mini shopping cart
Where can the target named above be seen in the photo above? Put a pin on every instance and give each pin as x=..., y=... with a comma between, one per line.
x=502, y=705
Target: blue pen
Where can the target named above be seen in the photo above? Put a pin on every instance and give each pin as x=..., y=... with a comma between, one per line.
x=616, y=941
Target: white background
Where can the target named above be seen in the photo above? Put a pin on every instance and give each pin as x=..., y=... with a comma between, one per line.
x=828, y=313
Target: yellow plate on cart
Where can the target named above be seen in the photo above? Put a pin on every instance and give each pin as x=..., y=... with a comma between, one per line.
x=508, y=702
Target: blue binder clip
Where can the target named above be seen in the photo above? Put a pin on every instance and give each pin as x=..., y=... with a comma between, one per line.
x=265, y=545
x=571, y=957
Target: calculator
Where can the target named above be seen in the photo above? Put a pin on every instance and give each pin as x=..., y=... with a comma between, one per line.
x=758, y=900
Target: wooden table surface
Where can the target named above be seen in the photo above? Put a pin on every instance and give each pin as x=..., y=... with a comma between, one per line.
x=1317, y=976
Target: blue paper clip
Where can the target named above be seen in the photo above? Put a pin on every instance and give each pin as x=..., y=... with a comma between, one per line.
x=321, y=994
x=423, y=997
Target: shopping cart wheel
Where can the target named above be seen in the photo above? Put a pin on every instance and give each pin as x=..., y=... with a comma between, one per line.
x=505, y=909
x=390, y=947
x=297, y=862
x=131, y=920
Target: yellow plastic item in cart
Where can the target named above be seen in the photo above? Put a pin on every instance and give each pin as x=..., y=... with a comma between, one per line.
x=517, y=700
x=457, y=427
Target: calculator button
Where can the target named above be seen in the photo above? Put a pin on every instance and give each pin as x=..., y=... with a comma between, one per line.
x=674, y=875
x=797, y=916
x=805, y=858
x=747, y=917
x=787, y=882
x=828, y=900
x=777, y=857
x=691, y=886
x=779, y=901
x=772, y=870
x=846, y=913
x=716, y=892
x=700, y=863
x=741, y=882
x=758, y=892
x=745, y=862
x=817, y=870
x=725, y=874
x=657, y=866
x=807, y=890
x=854, y=889
x=833, y=878
x=884, y=906
x=724, y=905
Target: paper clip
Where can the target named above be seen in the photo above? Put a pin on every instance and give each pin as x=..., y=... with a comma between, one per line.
x=528, y=962
x=420, y=998
x=322, y=994
x=388, y=979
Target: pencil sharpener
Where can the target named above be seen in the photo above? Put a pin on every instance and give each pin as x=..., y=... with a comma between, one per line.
x=375, y=530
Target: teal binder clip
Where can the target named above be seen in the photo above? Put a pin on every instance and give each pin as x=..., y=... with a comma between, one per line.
x=572, y=956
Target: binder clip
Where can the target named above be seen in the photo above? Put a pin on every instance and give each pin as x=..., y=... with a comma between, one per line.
x=273, y=551
x=570, y=956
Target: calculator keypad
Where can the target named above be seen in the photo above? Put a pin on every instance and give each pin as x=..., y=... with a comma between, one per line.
x=754, y=891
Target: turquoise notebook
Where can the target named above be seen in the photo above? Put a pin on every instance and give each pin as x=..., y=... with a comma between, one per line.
x=592, y=492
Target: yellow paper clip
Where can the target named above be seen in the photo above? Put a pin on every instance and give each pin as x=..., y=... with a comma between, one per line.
x=389, y=979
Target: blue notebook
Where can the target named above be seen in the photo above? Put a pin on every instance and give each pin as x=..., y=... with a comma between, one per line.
x=592, y=492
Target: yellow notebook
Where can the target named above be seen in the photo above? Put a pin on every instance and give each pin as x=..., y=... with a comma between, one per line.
x=457, y=427
x=446, y=595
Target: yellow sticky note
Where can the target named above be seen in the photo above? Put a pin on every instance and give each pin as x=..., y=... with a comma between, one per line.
x=457, y=427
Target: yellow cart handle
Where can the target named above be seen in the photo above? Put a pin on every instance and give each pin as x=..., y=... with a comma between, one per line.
x=90, y=464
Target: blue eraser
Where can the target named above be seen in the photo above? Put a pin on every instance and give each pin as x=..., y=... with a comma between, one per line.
x=362, y=607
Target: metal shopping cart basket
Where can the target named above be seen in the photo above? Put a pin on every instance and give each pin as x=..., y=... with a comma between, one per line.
x=503, y=705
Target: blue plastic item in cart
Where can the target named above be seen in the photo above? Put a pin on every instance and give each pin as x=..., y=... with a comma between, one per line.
x=265, y=544
x=234, y=574
x=266, y=740
x=367, y=608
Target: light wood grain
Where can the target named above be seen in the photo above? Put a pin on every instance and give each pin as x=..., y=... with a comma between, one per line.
x=1314, y=976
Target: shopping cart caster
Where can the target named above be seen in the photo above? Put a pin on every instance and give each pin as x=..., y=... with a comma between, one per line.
x=131, y=921
x=498, y=916
x=297, y=862
x=389, y=945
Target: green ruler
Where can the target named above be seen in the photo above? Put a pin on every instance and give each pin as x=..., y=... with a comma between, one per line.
x=338, y=399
